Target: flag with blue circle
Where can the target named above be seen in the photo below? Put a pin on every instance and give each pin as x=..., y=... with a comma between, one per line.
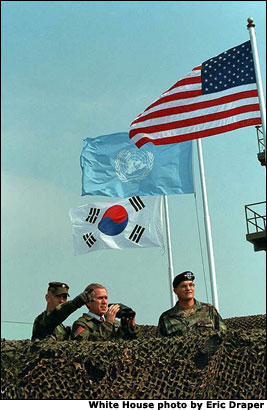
x=113, y=166
x=134, y=222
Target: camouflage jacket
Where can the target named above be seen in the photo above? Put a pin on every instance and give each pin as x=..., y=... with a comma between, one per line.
x=202, y=316
x=90, y=328
x=50, y=323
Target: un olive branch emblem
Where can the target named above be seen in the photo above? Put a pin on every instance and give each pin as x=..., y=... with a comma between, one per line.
x=131, y=165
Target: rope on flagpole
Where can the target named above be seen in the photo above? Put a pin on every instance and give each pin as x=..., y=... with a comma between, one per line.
x=170, y=267
x=214, y=294
x=201, y=249
x=198, y=225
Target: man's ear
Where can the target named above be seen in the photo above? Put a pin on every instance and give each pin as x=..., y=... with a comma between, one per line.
x=47, y=297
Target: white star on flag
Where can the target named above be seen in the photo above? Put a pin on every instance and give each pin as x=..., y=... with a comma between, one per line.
x=218, y=96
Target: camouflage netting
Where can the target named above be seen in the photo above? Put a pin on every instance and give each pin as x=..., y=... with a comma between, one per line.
x=148, y=368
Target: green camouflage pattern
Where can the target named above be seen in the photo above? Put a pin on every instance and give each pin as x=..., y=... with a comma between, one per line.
x=46, y=325
x=147, y=368
x=90, y=328
x=202, y=317
x=50, y=323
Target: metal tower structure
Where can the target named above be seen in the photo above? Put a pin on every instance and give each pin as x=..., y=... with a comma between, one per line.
x=256, y=212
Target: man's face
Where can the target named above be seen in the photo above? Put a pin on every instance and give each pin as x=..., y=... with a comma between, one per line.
x=54, y=300
x=185, y=290
x=100, y=303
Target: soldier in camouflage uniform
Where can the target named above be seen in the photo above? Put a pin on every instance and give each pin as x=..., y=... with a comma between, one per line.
x=99, y=323
x=188, y=314
x=49, y=323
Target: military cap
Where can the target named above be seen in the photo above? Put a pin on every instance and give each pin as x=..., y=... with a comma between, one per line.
x=187, y=275
x=57, y=288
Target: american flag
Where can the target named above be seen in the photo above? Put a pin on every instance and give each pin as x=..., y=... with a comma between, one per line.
x=216, y=97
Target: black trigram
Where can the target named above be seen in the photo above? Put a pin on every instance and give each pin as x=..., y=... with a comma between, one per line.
x=137, y=203
x=137, y=233
x=89, y=239
x=93, y=214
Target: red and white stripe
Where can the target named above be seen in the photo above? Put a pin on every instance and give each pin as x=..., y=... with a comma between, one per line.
x=183, y=113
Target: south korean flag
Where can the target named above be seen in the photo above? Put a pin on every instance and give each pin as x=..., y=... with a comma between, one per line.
x=134, y=222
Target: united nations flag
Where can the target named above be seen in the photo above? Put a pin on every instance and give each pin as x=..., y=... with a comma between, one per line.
x=113, y=166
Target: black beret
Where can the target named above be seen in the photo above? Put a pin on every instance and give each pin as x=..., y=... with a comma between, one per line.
x=187, y=275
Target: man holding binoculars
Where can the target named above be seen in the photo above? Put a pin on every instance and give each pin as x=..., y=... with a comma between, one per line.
x=99, y=323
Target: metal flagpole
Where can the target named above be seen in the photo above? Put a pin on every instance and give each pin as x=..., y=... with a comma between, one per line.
x=170, y=267
x=207, y=228
x=252, y=35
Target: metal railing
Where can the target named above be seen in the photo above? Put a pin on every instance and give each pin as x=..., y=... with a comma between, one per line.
x=260, y=138
x=254, y=219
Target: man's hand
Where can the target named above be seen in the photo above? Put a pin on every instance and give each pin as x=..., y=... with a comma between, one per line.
x=111, y=313
x=86, y=297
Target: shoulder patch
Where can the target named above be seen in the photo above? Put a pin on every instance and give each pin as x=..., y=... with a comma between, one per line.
x=79, y=330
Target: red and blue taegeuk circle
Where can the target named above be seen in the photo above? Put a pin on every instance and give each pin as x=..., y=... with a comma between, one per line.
x=114, y=220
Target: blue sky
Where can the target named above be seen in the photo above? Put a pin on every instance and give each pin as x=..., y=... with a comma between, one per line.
x=72, y=70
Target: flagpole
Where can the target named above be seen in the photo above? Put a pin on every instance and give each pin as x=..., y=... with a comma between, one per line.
x=252, y=35
x=170, y=267
x=207, y=228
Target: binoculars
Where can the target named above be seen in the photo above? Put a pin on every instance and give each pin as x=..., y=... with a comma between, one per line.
x=124, y=312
